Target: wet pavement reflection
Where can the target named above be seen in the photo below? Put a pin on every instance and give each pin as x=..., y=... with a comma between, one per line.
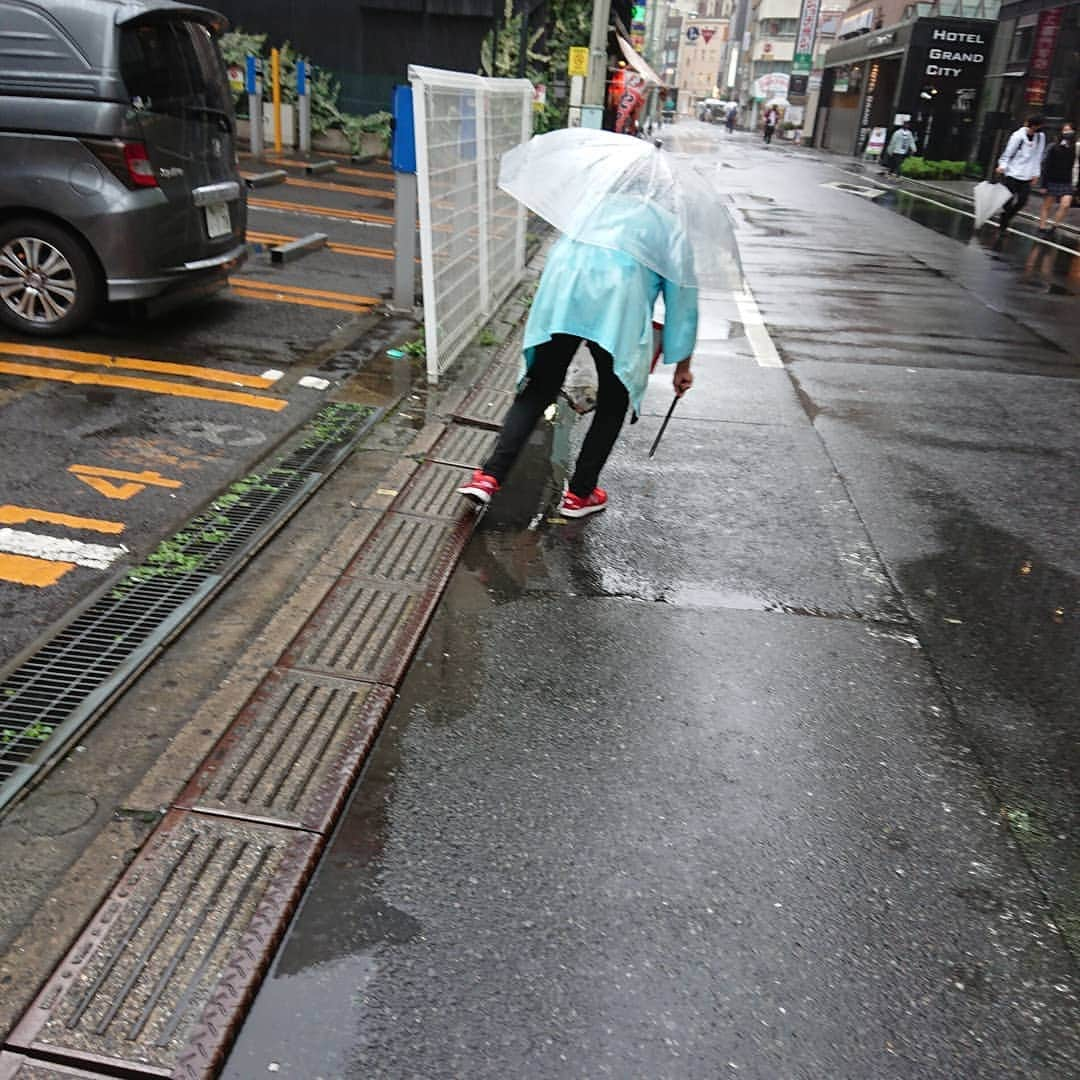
x=1041, y=265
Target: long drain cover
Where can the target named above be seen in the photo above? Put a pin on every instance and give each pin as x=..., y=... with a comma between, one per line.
x=48, y=700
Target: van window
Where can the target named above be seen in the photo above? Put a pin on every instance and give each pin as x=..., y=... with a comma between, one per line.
x=174, y=68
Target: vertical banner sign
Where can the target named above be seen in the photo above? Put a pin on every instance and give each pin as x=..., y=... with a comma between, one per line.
x=1042, y=56
x=803, y=60
x=637, y=26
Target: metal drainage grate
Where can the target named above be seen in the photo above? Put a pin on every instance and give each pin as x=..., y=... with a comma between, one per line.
x=48, y=699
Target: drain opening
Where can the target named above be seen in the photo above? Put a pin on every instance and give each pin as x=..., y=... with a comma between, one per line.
x=49, y=698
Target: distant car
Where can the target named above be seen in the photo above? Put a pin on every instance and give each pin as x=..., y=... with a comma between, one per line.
x=118, y=168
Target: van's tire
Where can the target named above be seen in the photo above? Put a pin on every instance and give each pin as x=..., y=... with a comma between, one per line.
x=50, y=284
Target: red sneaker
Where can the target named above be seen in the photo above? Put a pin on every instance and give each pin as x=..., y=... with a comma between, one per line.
x=573, y=506
x=480, y=488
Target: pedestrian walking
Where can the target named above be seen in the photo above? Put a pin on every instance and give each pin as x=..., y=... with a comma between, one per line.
x=730, y=117
x=772, y=118
x=1020, y=164
x=1057, y=180
x=605, y=298
x=901, y=146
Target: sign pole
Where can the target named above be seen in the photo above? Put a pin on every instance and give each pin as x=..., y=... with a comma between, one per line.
x=596, y=84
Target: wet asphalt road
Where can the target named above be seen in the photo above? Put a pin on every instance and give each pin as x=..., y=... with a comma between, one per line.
x=770, y=770
x=202, y=413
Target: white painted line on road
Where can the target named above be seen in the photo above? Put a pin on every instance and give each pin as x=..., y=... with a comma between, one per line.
x=53, y=549
x=272, y=375
x=312, y=382
x=750, y=315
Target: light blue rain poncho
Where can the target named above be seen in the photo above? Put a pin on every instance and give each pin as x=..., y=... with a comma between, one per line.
x=593, y=289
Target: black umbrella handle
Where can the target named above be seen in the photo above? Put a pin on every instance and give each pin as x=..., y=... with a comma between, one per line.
x=663, y=426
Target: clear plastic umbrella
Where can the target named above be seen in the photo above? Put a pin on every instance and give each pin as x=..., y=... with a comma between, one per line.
x=623, y=193
x=989, y=199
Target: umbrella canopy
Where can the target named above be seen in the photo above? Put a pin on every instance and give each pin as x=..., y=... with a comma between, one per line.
x=989, y=199
x=623, y=193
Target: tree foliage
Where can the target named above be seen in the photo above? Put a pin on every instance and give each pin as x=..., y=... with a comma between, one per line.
x=568, y=23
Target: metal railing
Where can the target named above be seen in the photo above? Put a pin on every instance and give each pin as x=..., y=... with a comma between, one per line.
x=472, y=235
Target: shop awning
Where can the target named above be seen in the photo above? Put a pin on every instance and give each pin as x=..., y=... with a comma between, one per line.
x=637, y=62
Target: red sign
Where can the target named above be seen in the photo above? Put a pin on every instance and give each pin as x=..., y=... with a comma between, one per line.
x=630, y=102
x=707, y=34
x=1042, y=56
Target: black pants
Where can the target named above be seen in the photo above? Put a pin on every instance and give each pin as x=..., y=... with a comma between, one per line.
x=544, y=383
x=769, y=129
x=896, y=162
x=1020, y=189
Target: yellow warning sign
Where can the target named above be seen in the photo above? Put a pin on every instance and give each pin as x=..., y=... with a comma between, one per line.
x=579, y=61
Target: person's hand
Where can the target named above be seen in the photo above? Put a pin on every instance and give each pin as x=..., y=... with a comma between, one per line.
x=999, y=171
x=683, y=378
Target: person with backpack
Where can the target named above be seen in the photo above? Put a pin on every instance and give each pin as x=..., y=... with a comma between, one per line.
x=1020, y=164
x=1057, y=180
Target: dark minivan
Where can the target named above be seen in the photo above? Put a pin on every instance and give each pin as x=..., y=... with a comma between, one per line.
x=118, y=168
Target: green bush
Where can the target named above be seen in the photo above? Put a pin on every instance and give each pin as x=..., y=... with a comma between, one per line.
x=918, y=168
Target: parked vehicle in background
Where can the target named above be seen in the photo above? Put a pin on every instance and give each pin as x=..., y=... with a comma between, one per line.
x=118, y=168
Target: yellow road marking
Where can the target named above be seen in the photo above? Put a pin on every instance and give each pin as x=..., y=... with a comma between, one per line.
x=300, y=290
x=149, y=386
x=26, y=570
x=348, y=171
x=131, y=363
x=323, y=211
x=302, y=301
x=348, y=189
x=340, y=249
x=23, y=515
x=156, y=479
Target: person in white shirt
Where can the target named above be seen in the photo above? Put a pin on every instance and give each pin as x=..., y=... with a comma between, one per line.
x=1020, y=164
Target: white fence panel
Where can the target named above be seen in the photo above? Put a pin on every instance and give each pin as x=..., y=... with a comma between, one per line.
x=472, y=236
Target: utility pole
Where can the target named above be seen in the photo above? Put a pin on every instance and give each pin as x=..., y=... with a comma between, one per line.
x=597, y=81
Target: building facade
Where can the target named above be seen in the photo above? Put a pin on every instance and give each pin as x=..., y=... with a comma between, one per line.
x=773, y=27
x=1034, y=68
x=929, y=70
x=703, y=37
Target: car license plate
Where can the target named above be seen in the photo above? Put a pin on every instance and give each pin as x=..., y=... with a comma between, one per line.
x=218, y=222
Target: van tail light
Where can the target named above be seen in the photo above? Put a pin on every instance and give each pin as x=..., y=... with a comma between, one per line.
x=138, y=165
x=127, y=161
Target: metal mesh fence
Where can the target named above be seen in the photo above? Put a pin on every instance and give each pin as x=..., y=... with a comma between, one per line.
x=472, y=236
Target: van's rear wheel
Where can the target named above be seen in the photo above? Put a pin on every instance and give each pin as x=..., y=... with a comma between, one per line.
x=49, y=282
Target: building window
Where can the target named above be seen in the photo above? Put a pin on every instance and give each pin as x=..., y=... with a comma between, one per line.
x=1021, y=50
x=780, y=27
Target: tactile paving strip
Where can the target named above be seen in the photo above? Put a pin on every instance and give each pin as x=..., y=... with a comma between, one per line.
x=486, y=407
x=175, y=952
x=18, y=1067
x=403, y=548
x=503, y=377
x=293, y=753
x=464, y=445
x=432, y=492
x=359, y=631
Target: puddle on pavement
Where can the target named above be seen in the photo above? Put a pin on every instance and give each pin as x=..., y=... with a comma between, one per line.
x=1045, y=268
